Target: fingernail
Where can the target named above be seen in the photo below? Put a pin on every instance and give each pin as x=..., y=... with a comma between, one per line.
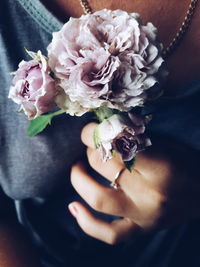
x=73, y=210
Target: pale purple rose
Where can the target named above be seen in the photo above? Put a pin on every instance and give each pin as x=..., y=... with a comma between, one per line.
x=123, y=134
x=33, y=87
x=108, y=58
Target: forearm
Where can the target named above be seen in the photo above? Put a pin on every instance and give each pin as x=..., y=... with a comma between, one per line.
x=15, y=247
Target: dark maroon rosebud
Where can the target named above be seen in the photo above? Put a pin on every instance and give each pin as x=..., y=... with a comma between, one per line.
x=126, y=145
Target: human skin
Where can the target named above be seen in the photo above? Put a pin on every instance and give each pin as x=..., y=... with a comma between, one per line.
x=16, y=249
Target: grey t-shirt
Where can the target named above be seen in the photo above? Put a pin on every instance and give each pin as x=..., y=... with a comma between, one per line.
x=34, y=172
x=53, y=151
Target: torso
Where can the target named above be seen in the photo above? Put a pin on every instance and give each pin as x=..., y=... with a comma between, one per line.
x=36, y=167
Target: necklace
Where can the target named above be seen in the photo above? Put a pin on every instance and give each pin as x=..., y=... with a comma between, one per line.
x=180, y=33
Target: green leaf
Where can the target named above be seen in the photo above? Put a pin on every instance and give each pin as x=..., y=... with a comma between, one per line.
x=103, y=113
x=96, y=137
x=149, y=117
x=114, y=153
x=32, y=54
x=20, y=110
x=52, y=74
x=37, y=125
x=35, y=56
x=129, y=164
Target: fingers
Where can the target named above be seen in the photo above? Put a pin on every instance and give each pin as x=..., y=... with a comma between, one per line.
x=107, y=169
x=87, y=134
x=110, y=168
x=111, y=233
x=152, y=164
x=143, y=164
x=101, y=198
x=130, y=182
x=138, y=199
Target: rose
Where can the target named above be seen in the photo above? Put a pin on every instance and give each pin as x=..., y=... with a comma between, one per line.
x=108, y=58
x=64, y=103
x=126, y=145
x=33, y=87
x=123, y=134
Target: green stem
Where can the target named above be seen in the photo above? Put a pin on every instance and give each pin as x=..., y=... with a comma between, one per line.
x=61, y=111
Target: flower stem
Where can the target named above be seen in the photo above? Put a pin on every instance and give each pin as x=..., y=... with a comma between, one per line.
x=58, y=112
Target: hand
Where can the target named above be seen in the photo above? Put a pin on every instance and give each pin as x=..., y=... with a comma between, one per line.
x=161, y=190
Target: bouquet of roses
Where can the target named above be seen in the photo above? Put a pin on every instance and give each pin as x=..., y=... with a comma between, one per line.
x=107, y=62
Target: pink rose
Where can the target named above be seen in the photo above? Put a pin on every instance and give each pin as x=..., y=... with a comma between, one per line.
x=123, y=134
x=33, y=87
x=108, y=58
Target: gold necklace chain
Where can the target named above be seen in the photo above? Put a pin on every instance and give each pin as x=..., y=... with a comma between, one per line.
x=86, y=7
x=179, y=35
